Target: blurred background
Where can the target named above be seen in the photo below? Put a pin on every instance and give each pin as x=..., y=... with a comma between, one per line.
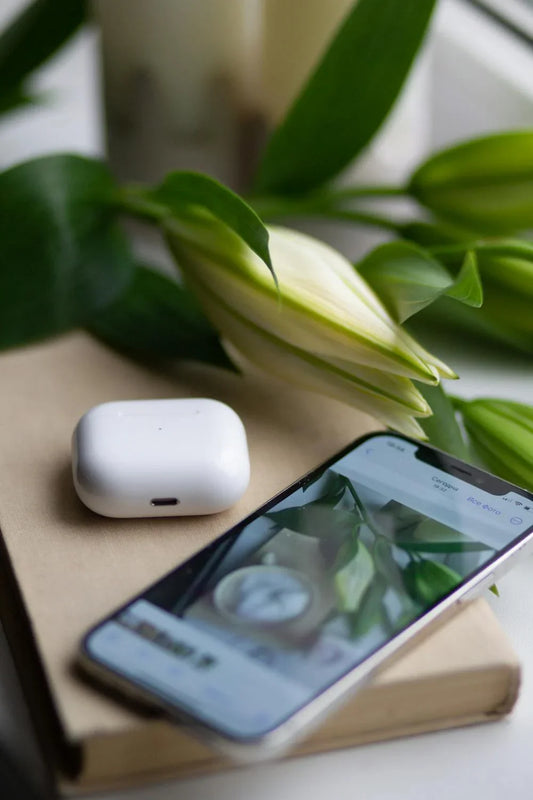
x=168, y=105
x=124, y=87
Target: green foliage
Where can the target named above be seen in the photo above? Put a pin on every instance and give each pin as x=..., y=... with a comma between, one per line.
x=467, y=287
x=485, y=184
x=442, y=428
x=183, y=193
x=428, y=581
x=506, y=271
x=15, y=99
x=370, y=612
x=431, y=536
x=386, y=565
x=317, y=519
x=156, y=319
x=334, y=523
x=407, y=278
x=62, y=255
x=348, y=96
x=35, y=35
x=64, y=261
x=433, y=234
x=353, y=580
x=501, y=432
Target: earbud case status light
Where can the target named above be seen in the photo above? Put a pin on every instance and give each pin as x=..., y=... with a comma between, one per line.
x=160, y=458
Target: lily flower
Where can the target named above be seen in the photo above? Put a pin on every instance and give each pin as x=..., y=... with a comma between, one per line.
x=319, y=325
x=501, y=432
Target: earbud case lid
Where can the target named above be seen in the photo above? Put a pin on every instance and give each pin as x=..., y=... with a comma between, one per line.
x=159, y=458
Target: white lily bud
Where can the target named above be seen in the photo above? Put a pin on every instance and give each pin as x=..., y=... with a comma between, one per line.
x=322, y=327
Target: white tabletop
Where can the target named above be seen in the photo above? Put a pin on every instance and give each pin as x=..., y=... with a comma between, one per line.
x=492, y=761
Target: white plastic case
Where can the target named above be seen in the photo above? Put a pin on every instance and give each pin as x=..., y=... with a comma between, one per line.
x=160, y=458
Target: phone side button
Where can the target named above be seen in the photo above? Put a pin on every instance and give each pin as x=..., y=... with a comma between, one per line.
x=522, y=552
x=479, y=588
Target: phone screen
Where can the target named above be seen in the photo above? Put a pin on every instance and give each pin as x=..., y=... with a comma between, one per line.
x=262, y=621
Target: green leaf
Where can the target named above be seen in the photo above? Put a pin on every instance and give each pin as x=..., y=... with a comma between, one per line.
x=405, y=278
x=35, y=35
x=157, y=319
x=386, y=566
x=62, y=255
x=391, y=573
x=506, y=270
x=442, y=429
x=505, y=316
x=467, y=287
x=485, y=184
x=428, y=581
x=317, y=519
x=431, y=536
x=16, y=99
x=370, y=613
x=347, y=97
x=414, y=546
x=182, y=192
x=504, y=319
x=352, y=581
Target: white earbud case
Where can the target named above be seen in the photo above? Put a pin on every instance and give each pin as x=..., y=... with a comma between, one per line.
x=160, y=458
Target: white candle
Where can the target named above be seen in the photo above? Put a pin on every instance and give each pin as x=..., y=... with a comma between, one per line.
x=185, y=47
x=197, y=83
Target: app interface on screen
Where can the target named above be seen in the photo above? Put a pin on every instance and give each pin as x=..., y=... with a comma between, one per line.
x=312, y=587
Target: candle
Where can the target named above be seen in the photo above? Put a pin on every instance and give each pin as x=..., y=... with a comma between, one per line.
x=184, y=47
x=176, y=77
x=197, y=84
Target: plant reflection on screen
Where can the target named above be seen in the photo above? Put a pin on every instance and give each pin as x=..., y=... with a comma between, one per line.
x=386, y=564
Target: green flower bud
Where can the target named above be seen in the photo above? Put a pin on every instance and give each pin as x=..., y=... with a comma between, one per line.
x=501, y=432
x=485, y=184
x=321, y=327
x=506, y=271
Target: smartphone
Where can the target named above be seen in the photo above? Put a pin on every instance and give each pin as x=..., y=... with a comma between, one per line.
x=258, y=636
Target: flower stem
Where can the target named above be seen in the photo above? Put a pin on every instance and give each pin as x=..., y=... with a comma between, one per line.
x=330, y=204
x=460, y=249
x=357, y=217
x=356, y=192
x=457, y=402
x=133, y=200
x=319, y=207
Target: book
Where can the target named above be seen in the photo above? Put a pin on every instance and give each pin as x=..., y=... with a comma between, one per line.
x=62, y=568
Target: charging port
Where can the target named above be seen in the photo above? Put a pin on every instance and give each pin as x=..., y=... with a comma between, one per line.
x=164, y=501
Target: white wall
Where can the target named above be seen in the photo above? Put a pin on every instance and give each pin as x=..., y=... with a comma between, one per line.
x=69, y=118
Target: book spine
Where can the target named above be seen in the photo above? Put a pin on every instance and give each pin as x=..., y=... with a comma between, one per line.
x=35, y=687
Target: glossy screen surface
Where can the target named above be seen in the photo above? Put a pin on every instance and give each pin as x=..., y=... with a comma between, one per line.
x=267, y=617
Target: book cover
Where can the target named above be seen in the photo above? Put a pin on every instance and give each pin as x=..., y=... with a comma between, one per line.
x=64, y=567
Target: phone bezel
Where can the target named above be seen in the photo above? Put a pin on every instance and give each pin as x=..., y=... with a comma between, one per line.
x=296, y=726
